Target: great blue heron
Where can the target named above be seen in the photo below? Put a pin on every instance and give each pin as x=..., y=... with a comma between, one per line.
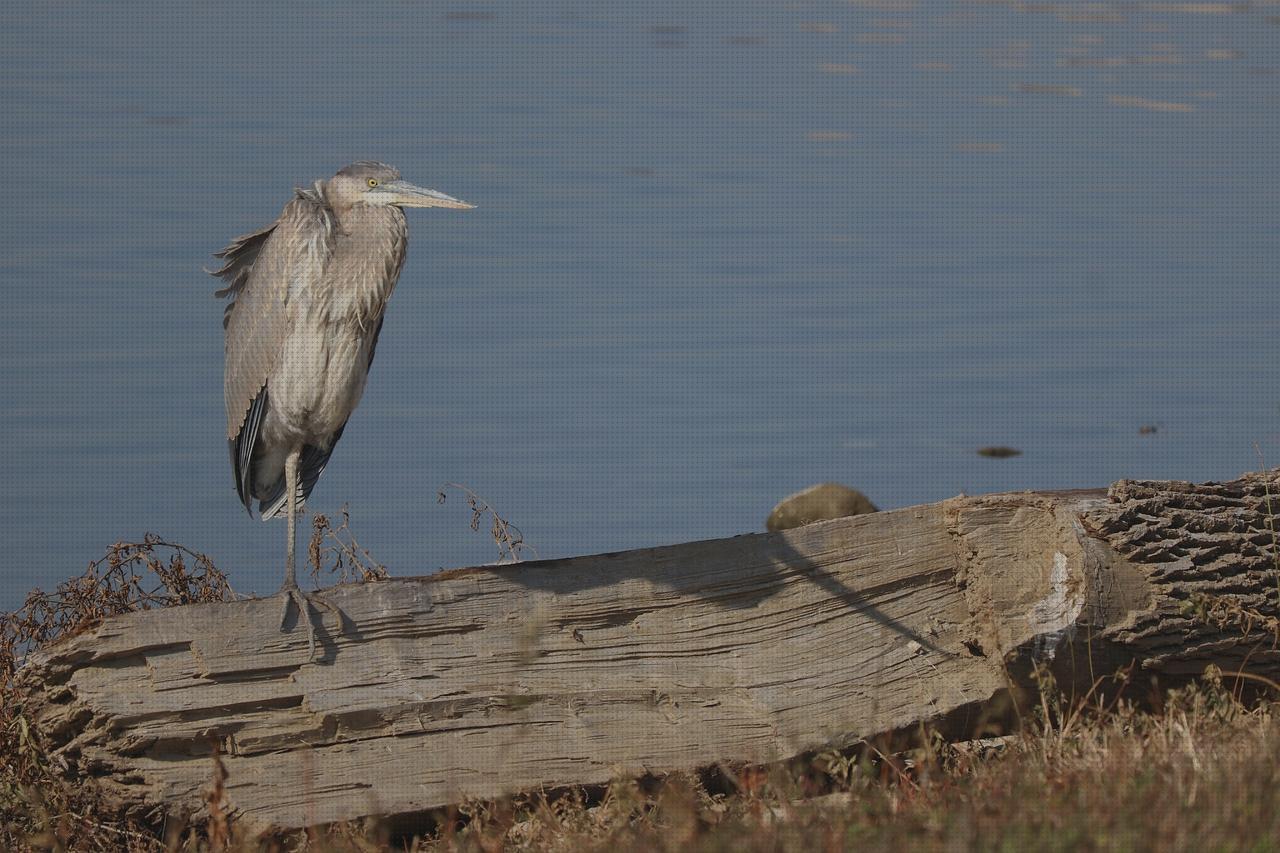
x=308, y=294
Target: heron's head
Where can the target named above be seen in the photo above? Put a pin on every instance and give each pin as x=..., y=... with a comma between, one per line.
x=372, y=183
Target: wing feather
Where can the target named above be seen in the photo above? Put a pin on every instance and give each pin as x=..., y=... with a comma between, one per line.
x=263, y=269
x=242, y=449
x=237, y=262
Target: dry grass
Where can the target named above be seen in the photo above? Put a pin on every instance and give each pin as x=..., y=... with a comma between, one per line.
x=335, y=551
x=1202, y=771
x=39, y=807
x=506, y=536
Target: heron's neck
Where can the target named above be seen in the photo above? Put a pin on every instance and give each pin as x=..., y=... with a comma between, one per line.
x=368, y=252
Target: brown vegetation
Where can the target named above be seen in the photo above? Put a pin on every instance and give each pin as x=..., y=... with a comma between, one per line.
x=39, y=807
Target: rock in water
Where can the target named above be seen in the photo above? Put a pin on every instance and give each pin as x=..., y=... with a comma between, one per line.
x=818, y=503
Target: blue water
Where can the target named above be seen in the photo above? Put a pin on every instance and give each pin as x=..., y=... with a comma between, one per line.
x=721, y=251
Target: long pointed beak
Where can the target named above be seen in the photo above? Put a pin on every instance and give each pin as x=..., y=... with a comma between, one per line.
x=406, y=194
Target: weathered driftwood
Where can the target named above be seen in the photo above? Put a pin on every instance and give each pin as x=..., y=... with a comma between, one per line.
x=484, y=681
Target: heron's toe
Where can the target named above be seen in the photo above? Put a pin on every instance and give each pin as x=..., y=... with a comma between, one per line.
x=291, y=594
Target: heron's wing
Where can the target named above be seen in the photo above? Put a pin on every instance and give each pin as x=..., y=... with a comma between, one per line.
x=269, y=266
x=237, y=262
x=311, y=463
x=262, y=270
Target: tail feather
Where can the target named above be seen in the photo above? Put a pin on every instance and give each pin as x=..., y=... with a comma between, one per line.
x=273, y=504
x=243, y=445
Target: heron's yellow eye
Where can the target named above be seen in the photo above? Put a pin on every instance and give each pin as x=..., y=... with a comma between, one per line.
x=373, y=182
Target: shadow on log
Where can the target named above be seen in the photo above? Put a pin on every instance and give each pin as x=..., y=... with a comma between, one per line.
x=480, y=682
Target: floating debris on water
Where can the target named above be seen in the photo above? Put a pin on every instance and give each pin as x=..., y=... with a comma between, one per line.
x=999, y=452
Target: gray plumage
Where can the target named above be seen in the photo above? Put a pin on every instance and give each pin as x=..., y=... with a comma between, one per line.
x=307, y=295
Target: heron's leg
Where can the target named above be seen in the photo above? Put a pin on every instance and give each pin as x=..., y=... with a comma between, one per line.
x=292, y=594
x=291, y=489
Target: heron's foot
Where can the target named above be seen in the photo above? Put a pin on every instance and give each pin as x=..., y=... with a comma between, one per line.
x=292, y=595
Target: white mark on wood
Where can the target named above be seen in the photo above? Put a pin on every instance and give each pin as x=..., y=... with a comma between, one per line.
x=1053, y=617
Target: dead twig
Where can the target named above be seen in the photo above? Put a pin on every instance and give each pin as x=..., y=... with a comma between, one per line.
x=508, y=537
x=336, y=550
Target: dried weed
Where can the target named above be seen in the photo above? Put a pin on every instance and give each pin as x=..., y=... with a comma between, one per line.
x=506, y=536
x=40, y=807
x=335, y=550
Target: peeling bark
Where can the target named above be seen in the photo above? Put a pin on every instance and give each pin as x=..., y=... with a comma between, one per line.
x=479, y=682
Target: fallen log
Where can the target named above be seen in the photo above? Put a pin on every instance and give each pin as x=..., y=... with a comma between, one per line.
x=479, y=682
